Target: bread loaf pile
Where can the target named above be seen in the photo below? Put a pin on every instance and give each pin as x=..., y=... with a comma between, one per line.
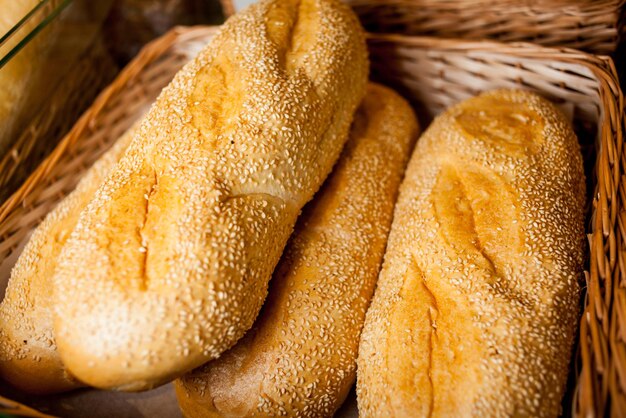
x=157, y=266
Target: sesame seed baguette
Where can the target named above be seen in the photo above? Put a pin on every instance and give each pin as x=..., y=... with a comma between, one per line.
x=477, y=300
x=169, y=263
x=299, y=359
x=28, y=356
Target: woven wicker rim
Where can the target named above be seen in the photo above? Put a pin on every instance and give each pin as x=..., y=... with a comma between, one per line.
x=601, y=380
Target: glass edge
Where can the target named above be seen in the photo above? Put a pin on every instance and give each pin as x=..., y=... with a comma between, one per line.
x=23, y=21
x=30, y=35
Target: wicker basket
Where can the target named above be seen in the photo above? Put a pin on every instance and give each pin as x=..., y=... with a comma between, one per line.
x=595, y=26
x=433, y=74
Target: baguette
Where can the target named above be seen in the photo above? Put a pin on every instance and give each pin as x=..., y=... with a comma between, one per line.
x=169, y=262
x=28, y=356
x=477, y=301
x=300, y=357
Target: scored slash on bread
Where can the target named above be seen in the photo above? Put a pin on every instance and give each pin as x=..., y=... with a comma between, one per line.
x=169, y=262
x=299, y=359
x=477, y=300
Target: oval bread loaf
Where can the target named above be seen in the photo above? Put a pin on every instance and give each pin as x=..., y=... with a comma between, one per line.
x=28, y=356
x=169, y=263
x=477, y=300
x=299, y=359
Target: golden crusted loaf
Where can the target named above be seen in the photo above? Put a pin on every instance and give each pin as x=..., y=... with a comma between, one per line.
x=169, y=263
x=299, y=359
x=28, y=356
x=477, y=300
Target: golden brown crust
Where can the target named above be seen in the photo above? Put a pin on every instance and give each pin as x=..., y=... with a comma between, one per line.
x=299, y=359
x=476, y=304
x=169, y=263
x=28, y=356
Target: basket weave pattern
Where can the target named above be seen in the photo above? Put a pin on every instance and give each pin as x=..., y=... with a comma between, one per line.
x=433, y=74
x=592, y=26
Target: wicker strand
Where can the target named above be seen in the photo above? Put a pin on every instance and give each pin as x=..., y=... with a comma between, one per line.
x=593, y=26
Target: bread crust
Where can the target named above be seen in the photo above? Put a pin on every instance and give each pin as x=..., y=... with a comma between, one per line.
x=28, y=356
x=477, y=301
x=299, y=359
x=168, y=264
